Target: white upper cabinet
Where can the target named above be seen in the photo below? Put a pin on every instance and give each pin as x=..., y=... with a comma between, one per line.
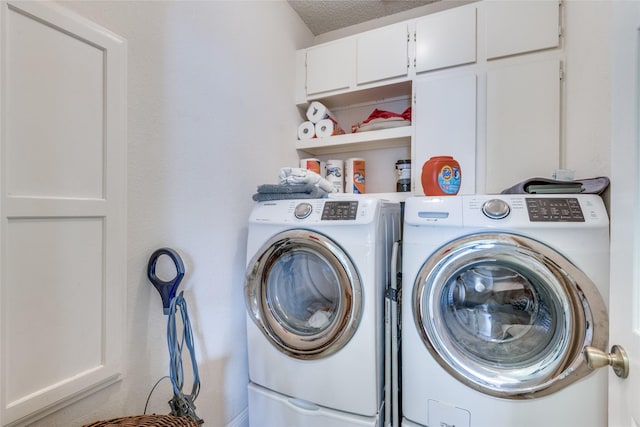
x=382, y=54
x=514, y=27
x=330, y=67
x=523, y=123
x=446, y=39
x=446, y=128
x=485, y=80
x=374, y=58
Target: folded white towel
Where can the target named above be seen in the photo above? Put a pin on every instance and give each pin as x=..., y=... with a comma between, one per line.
x=305, y=176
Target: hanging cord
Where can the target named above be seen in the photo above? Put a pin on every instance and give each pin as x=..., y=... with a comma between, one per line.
x=166, y=377
x=181, y=404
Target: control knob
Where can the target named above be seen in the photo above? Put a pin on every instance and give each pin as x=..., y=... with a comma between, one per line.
x=303, y=210
x=496, y=208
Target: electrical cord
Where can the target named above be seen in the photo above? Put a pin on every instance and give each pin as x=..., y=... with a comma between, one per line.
x=166, y=377
x=181, y=404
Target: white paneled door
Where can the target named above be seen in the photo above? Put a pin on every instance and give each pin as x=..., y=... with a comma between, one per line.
x=62, y=204
x=624, y=410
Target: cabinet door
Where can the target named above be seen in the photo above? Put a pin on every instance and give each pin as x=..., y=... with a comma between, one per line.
x=62, y=208
x=445, y=125
x=523, y=123
x=513, y=27
x=331, y=67
x=446, y=39
x=382, y=54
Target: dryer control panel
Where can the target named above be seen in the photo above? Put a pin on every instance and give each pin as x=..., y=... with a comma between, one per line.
x=554, y=209
x=339, y=211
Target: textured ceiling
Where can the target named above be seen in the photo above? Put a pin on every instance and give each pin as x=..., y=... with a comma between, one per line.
x=322, y=16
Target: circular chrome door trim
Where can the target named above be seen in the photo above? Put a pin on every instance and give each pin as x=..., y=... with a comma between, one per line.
x=344, y=321
x=583, y=322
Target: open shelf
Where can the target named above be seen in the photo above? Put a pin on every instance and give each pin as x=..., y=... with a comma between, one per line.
x=375, y=139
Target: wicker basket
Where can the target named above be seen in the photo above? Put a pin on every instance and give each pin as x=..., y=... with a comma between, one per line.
x=147, y=421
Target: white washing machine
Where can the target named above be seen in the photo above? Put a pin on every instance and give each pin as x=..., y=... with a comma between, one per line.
x=501, y=296
x=317, y=271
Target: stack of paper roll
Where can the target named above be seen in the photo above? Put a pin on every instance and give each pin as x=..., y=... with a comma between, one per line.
x=317, y=111
x=328, y=127
x=321, y=123
x=306, y=130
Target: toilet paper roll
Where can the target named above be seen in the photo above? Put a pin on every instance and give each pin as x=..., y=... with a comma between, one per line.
x=318, y=111
x=334, y=173
x=327, y=127
x=306, y=130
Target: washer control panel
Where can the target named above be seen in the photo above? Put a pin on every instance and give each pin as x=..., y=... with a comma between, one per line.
x=554, y=209
x=508, y=211
x=340, y=210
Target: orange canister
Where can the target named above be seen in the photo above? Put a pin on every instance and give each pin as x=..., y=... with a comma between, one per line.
x=355, y=176
x=441, y=176
x=311, y=164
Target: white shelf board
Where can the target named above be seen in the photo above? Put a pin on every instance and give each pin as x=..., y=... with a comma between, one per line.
x=389, y=197
x=367, y=94
x=384, y=138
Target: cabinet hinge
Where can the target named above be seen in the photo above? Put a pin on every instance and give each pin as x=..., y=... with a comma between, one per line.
x=560, y=19
x=415, y=38
x=561, y=72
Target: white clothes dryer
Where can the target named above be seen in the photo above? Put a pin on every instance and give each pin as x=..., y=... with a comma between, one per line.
x=317, y=271
x=501, y=296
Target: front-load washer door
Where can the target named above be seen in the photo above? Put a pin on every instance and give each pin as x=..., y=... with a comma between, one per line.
x=304, y=293
x=508, y=315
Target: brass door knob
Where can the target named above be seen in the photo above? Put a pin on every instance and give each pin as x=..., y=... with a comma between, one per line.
x=617, y=359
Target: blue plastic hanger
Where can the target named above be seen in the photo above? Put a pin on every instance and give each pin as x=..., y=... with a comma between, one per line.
x=169, y=288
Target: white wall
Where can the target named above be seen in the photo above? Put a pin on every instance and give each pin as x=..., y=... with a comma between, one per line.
x=211, y=115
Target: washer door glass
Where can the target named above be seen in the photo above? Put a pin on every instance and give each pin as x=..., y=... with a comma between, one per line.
x=503, y=313
x=304, y=293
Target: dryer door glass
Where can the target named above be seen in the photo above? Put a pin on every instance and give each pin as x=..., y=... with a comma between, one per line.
x=304, y=293
x=505, y=314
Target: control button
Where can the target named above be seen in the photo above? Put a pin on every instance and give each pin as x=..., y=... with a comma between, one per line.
x=496, y=208
x=303, y=210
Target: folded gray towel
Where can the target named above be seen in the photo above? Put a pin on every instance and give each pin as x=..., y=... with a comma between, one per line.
x=286, y=188
x=288, y=191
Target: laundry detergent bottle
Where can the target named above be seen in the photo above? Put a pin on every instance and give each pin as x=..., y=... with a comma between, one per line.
x=441, y=176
